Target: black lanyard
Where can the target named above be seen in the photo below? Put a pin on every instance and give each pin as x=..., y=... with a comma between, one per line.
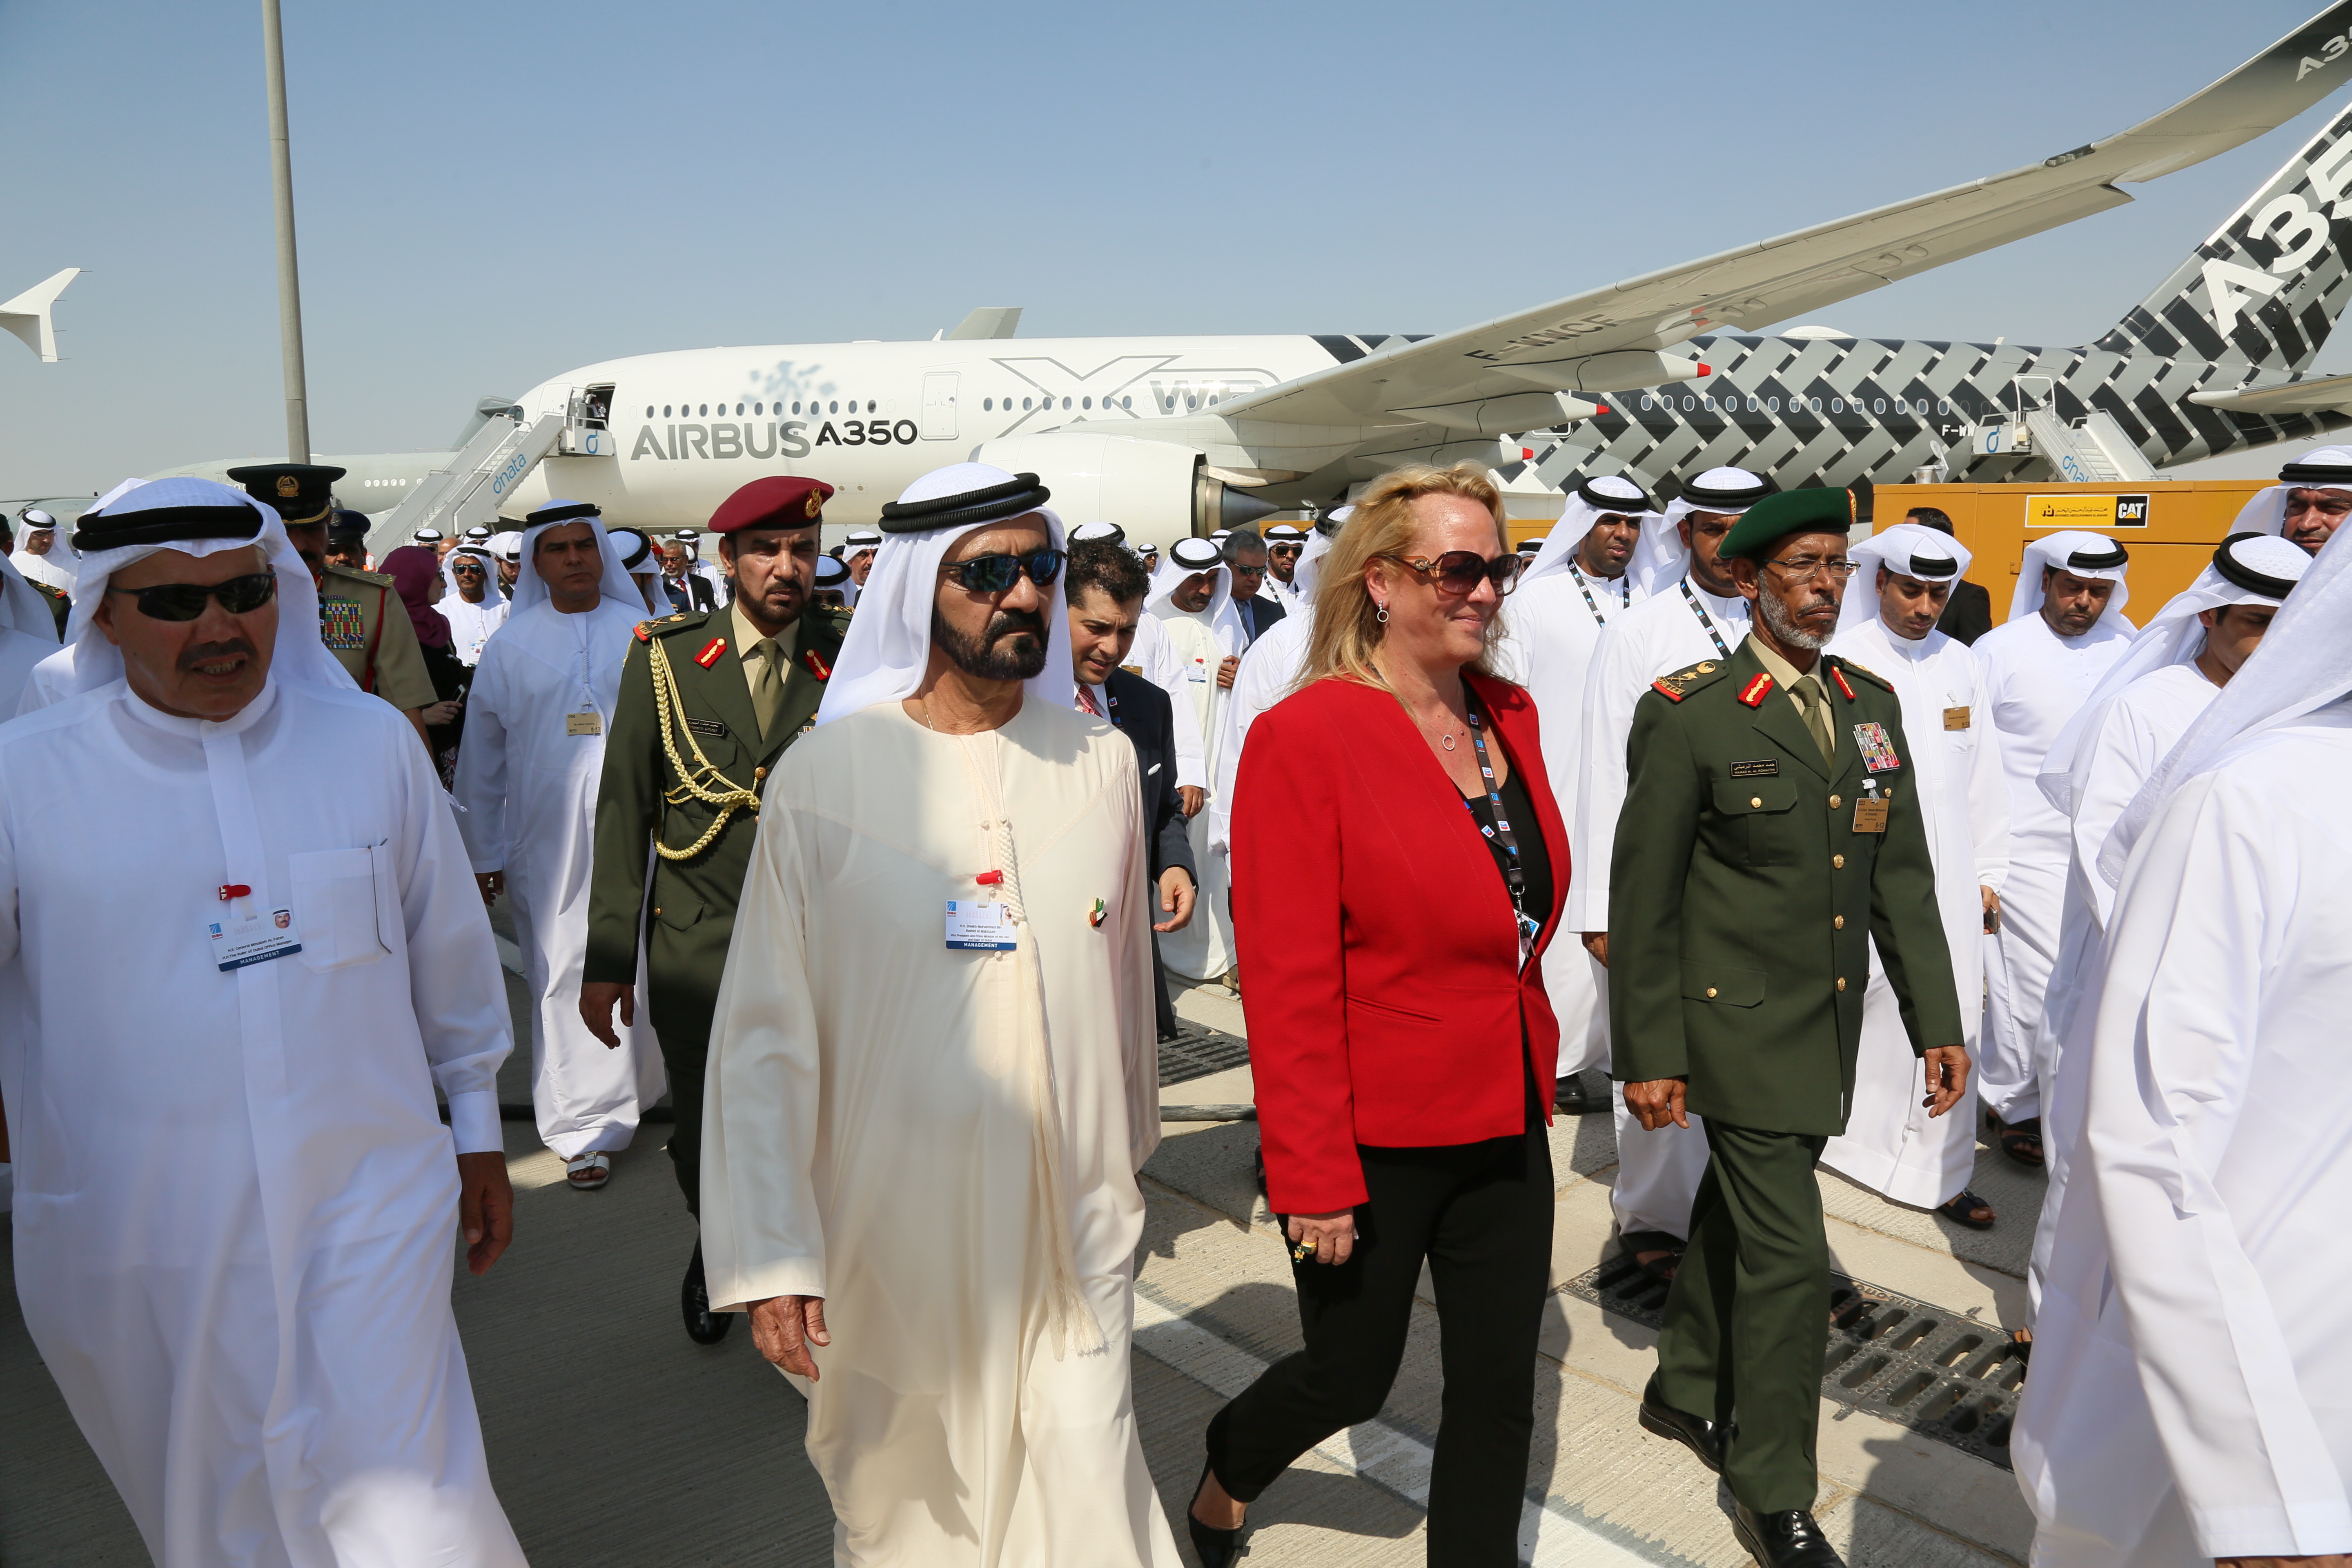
x=1703, y=619
x=1515, y=875
x=1624, y=595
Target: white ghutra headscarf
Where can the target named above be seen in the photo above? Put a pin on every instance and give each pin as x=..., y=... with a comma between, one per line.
x=2304, y=663
x=530, y=588
x=1662, y=557
x=1909, y=550
x=1602, y=495
x=889, y=649
x=2080, y=554
x=2321, y=468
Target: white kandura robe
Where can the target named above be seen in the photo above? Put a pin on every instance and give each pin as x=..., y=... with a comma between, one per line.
x=237, y=1207
x=888, y=1120
x=1268, y=673
x=2033, y=681
x=2193, y=1351
x=1186, y=651
x=1891, y=1144
x=527, y=788
x=1551, y=627
x=2143, y=725
x=471, y=626
x=54, y=569
x=1657, y=1172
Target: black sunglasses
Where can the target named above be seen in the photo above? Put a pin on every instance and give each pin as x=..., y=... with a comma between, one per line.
x=185, y=601
x=1461, y=571
x=995, y=574
x=467, y=567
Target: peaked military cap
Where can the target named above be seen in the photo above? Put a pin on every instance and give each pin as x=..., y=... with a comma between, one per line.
x=297, y=492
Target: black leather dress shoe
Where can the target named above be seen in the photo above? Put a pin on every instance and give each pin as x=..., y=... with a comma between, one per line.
x=703, y=1326
x=1705, y=1438
x=1787, y=1539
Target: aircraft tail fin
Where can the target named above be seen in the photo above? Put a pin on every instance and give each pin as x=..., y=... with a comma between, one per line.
x=2264, y=291
x=28, y=315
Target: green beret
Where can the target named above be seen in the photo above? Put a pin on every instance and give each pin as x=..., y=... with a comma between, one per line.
x=1774, y=518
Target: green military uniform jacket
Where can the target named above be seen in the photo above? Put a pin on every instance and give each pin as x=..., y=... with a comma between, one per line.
x=366, y=627
x=1743, y=900
x=690, y=914
x=60, y=607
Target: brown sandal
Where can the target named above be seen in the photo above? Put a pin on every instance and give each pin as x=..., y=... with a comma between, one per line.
x=1963, y=1210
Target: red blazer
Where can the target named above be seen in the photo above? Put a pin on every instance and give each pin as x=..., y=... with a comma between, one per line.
x=1379, y=955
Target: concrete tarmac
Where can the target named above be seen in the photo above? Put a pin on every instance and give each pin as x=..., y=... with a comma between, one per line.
x=616, y=1443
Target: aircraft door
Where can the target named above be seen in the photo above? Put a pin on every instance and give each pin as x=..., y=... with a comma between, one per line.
x=938, y=406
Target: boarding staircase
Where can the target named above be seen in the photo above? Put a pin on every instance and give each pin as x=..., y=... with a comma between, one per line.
x=486, y=472
x=2092, y=450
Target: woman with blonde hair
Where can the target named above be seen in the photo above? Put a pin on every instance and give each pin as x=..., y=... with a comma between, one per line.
x=1400, y=1038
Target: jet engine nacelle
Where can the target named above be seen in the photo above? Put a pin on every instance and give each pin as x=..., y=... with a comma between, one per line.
x=1157, y=491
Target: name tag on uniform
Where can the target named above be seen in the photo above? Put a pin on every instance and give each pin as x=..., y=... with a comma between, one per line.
x=1768, y=768
x=711, y=727
x=1956, y=718
x=1870, y=814
x=980, y=925
x=1200, y=671
x=584, y=723
x=257, y=938
x=341, y=625
x=1877, y=748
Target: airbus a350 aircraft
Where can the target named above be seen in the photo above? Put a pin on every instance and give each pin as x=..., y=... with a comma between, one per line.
x=1653, y=375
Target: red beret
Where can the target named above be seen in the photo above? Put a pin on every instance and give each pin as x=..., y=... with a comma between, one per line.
x=772, y=503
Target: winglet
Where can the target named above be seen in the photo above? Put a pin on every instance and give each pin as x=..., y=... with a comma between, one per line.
x=28, y=315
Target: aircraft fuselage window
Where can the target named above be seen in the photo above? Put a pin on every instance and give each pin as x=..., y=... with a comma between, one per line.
x=1878, y=406
x=649, y=410
x=836, y=408
x=664, y=410
x=1943, y=406
x=1086, y=403
x=1127, y=403
x=869, y=406
x=1171, y=405
x=1024, y=402
x=1815, y=405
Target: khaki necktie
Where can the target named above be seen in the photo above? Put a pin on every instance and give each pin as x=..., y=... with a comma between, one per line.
x=1817, y=714
x=767, y=683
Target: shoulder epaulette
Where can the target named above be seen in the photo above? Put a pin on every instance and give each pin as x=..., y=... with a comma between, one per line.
x=374, y=579
x=663, y=625
x=1758, y=686
x=1872, y=675
x=1684, y=681
x=47, y=591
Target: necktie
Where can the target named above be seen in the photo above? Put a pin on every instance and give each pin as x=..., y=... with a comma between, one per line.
x=1817, y=714
x=1086, y=699
x=767, y=683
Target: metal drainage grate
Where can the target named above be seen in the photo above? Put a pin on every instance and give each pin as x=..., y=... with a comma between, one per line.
x=1942, y=1374
x=1197, y=1053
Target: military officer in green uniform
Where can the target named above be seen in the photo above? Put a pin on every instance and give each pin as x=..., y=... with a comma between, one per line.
x=709, y=698
x=1771, y=833
x=360, y=617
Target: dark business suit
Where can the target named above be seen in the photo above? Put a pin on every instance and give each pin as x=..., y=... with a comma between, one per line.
x=1258, y=616
x=1968, y=613
x=1144, y=715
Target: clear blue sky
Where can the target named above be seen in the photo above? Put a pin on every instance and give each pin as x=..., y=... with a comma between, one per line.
x=490, y=194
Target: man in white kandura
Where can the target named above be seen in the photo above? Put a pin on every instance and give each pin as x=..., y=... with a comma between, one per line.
x=2309, y=503
x=932, y=1070
x=1189, y=644
x=1887, y=624
x=536, y=719
x=41, y=554
x=2036, y=669
x=2172, y=672
x=2188, y=1403
x=235, y=1201
x=474, y=607
x=1693, y=612
x=1576, y=585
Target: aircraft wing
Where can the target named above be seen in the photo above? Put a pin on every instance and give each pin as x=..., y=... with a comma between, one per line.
x=1559, y=346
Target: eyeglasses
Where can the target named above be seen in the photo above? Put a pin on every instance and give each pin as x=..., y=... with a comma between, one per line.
x=1284, y=549
x=185, y=601
x=1461, y=571
x=995, y=574
x=465, y=566
x=2330, y=506
x=1804, y=567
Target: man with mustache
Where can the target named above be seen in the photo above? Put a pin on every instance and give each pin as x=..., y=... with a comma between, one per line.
x=235, y=1199
x=1772, y=833
x=932, y=1073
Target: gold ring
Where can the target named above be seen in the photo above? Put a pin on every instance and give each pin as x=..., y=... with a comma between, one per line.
x=1302, y=1252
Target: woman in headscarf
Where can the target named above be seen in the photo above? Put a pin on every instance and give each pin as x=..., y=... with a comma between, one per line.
x=416, y=572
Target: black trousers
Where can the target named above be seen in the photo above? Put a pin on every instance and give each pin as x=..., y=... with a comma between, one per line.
x=1481, y=1213
x=1163, y=1009
x=686, y=1051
